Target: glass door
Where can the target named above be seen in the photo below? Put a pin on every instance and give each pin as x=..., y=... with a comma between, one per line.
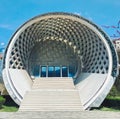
x=51, y=72
x=64, y=71
x=43, y=71
x=57, y=71
x=36, y=71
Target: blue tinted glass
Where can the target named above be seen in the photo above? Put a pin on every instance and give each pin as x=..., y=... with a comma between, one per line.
x=43, y=71
x=64, y=72
x=36, y=71
x=50, y=71
x=72, y=71
x=57, y=71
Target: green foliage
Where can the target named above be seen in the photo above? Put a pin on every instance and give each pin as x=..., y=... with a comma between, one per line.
x=110, y=104
x=9, y=105
x=2, y=101
x=117, y=82
x=109, y=109
x=112, y=101
x=114, y=92
x=8, y=109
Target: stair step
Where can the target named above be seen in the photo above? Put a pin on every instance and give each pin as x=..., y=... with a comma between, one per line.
x=56, y=109
x=52, y=94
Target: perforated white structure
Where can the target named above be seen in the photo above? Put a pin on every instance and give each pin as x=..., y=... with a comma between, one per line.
x=61, y=39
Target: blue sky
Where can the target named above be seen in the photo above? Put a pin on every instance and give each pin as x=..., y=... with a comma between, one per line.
x=13, y=13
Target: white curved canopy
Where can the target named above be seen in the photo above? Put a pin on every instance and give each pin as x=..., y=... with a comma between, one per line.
x=61, y=39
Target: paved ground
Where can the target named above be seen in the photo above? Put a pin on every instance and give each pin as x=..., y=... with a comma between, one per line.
x=61, y=115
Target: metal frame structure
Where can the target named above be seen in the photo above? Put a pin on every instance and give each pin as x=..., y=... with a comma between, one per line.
x=64, y=39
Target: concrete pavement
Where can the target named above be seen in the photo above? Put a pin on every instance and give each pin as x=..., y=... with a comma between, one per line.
x=61, y=115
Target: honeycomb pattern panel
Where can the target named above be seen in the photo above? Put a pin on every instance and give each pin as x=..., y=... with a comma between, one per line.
x=85, y=43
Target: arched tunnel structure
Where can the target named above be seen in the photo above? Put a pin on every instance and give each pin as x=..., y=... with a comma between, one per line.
x=61, y=45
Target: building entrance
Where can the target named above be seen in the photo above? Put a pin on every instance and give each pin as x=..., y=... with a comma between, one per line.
x=53, y=71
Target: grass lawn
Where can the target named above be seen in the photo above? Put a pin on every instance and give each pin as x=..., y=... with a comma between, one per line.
x=8, y=109
x=110, y=104
x=9, y=105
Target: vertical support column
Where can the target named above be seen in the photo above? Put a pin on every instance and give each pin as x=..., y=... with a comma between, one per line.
x=61, y=71
x=40, y=71
x=47, y=71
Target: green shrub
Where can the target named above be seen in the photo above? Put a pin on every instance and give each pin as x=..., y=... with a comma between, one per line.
x=114, y=92
x=2, y=101
x=117, y=83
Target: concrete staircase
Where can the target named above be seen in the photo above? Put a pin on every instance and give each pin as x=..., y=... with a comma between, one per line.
x=53, y=83
x=52, y=94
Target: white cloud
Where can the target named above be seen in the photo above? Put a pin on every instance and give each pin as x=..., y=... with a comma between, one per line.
x=6, y=26
x=2, y=44
x=78, y=13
